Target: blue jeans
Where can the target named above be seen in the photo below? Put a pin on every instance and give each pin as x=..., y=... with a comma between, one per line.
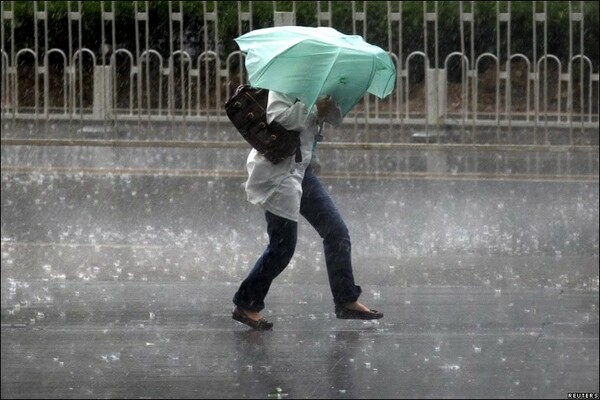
x=318, y=209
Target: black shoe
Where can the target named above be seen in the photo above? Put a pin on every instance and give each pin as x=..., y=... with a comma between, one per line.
x=342, y=312
x=261, y=325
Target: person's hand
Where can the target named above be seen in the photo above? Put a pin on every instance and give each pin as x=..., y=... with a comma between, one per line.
x=328, y=110
x=325, y=106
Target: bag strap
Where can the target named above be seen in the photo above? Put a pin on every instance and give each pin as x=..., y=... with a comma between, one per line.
x=318, y=138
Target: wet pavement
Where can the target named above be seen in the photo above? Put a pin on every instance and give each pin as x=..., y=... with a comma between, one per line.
x=117, y=283
x=177, y=340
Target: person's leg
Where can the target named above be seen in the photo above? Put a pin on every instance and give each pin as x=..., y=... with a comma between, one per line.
x=320, y=211
x=282, y=243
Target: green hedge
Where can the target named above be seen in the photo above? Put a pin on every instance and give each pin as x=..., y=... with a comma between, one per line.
x=449, y=33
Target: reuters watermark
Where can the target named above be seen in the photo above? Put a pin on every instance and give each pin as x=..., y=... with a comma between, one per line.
x=582, y=395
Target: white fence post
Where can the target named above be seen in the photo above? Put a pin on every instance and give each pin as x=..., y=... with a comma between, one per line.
x=436, y=95
x=103, y=90
x=284, y=18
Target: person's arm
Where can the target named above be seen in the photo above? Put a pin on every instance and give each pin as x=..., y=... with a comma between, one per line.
x=286, y=110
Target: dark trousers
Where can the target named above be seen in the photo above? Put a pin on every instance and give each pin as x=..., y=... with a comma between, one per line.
x=319, y=210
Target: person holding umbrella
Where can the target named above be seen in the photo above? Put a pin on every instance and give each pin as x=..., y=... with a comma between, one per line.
x=290, y=188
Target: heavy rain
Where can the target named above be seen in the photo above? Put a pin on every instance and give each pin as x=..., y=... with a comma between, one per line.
x=126, y=231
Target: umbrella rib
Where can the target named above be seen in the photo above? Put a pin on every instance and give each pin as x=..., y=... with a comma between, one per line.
x=368, y=85
x=372, y=75
x=339, y=50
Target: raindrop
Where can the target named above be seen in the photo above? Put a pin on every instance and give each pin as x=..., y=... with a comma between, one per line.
x=453, y=367
x=277, y=393
x=371, y=324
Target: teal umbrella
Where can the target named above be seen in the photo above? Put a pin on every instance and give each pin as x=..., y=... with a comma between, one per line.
x=308, y=63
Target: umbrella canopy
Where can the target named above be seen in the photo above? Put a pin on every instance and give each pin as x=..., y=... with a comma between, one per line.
x=310, y=62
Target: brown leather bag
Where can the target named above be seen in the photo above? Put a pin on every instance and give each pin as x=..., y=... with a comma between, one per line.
x=247, y=110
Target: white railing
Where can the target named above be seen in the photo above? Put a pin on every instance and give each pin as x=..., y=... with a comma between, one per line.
x=536, y=93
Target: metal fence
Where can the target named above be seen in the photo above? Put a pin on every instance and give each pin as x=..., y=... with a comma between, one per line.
x=517, y=99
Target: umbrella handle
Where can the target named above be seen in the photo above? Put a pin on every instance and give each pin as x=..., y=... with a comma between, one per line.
x=318, y=138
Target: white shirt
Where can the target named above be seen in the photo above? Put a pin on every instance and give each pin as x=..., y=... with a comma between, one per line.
x=278, y=187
